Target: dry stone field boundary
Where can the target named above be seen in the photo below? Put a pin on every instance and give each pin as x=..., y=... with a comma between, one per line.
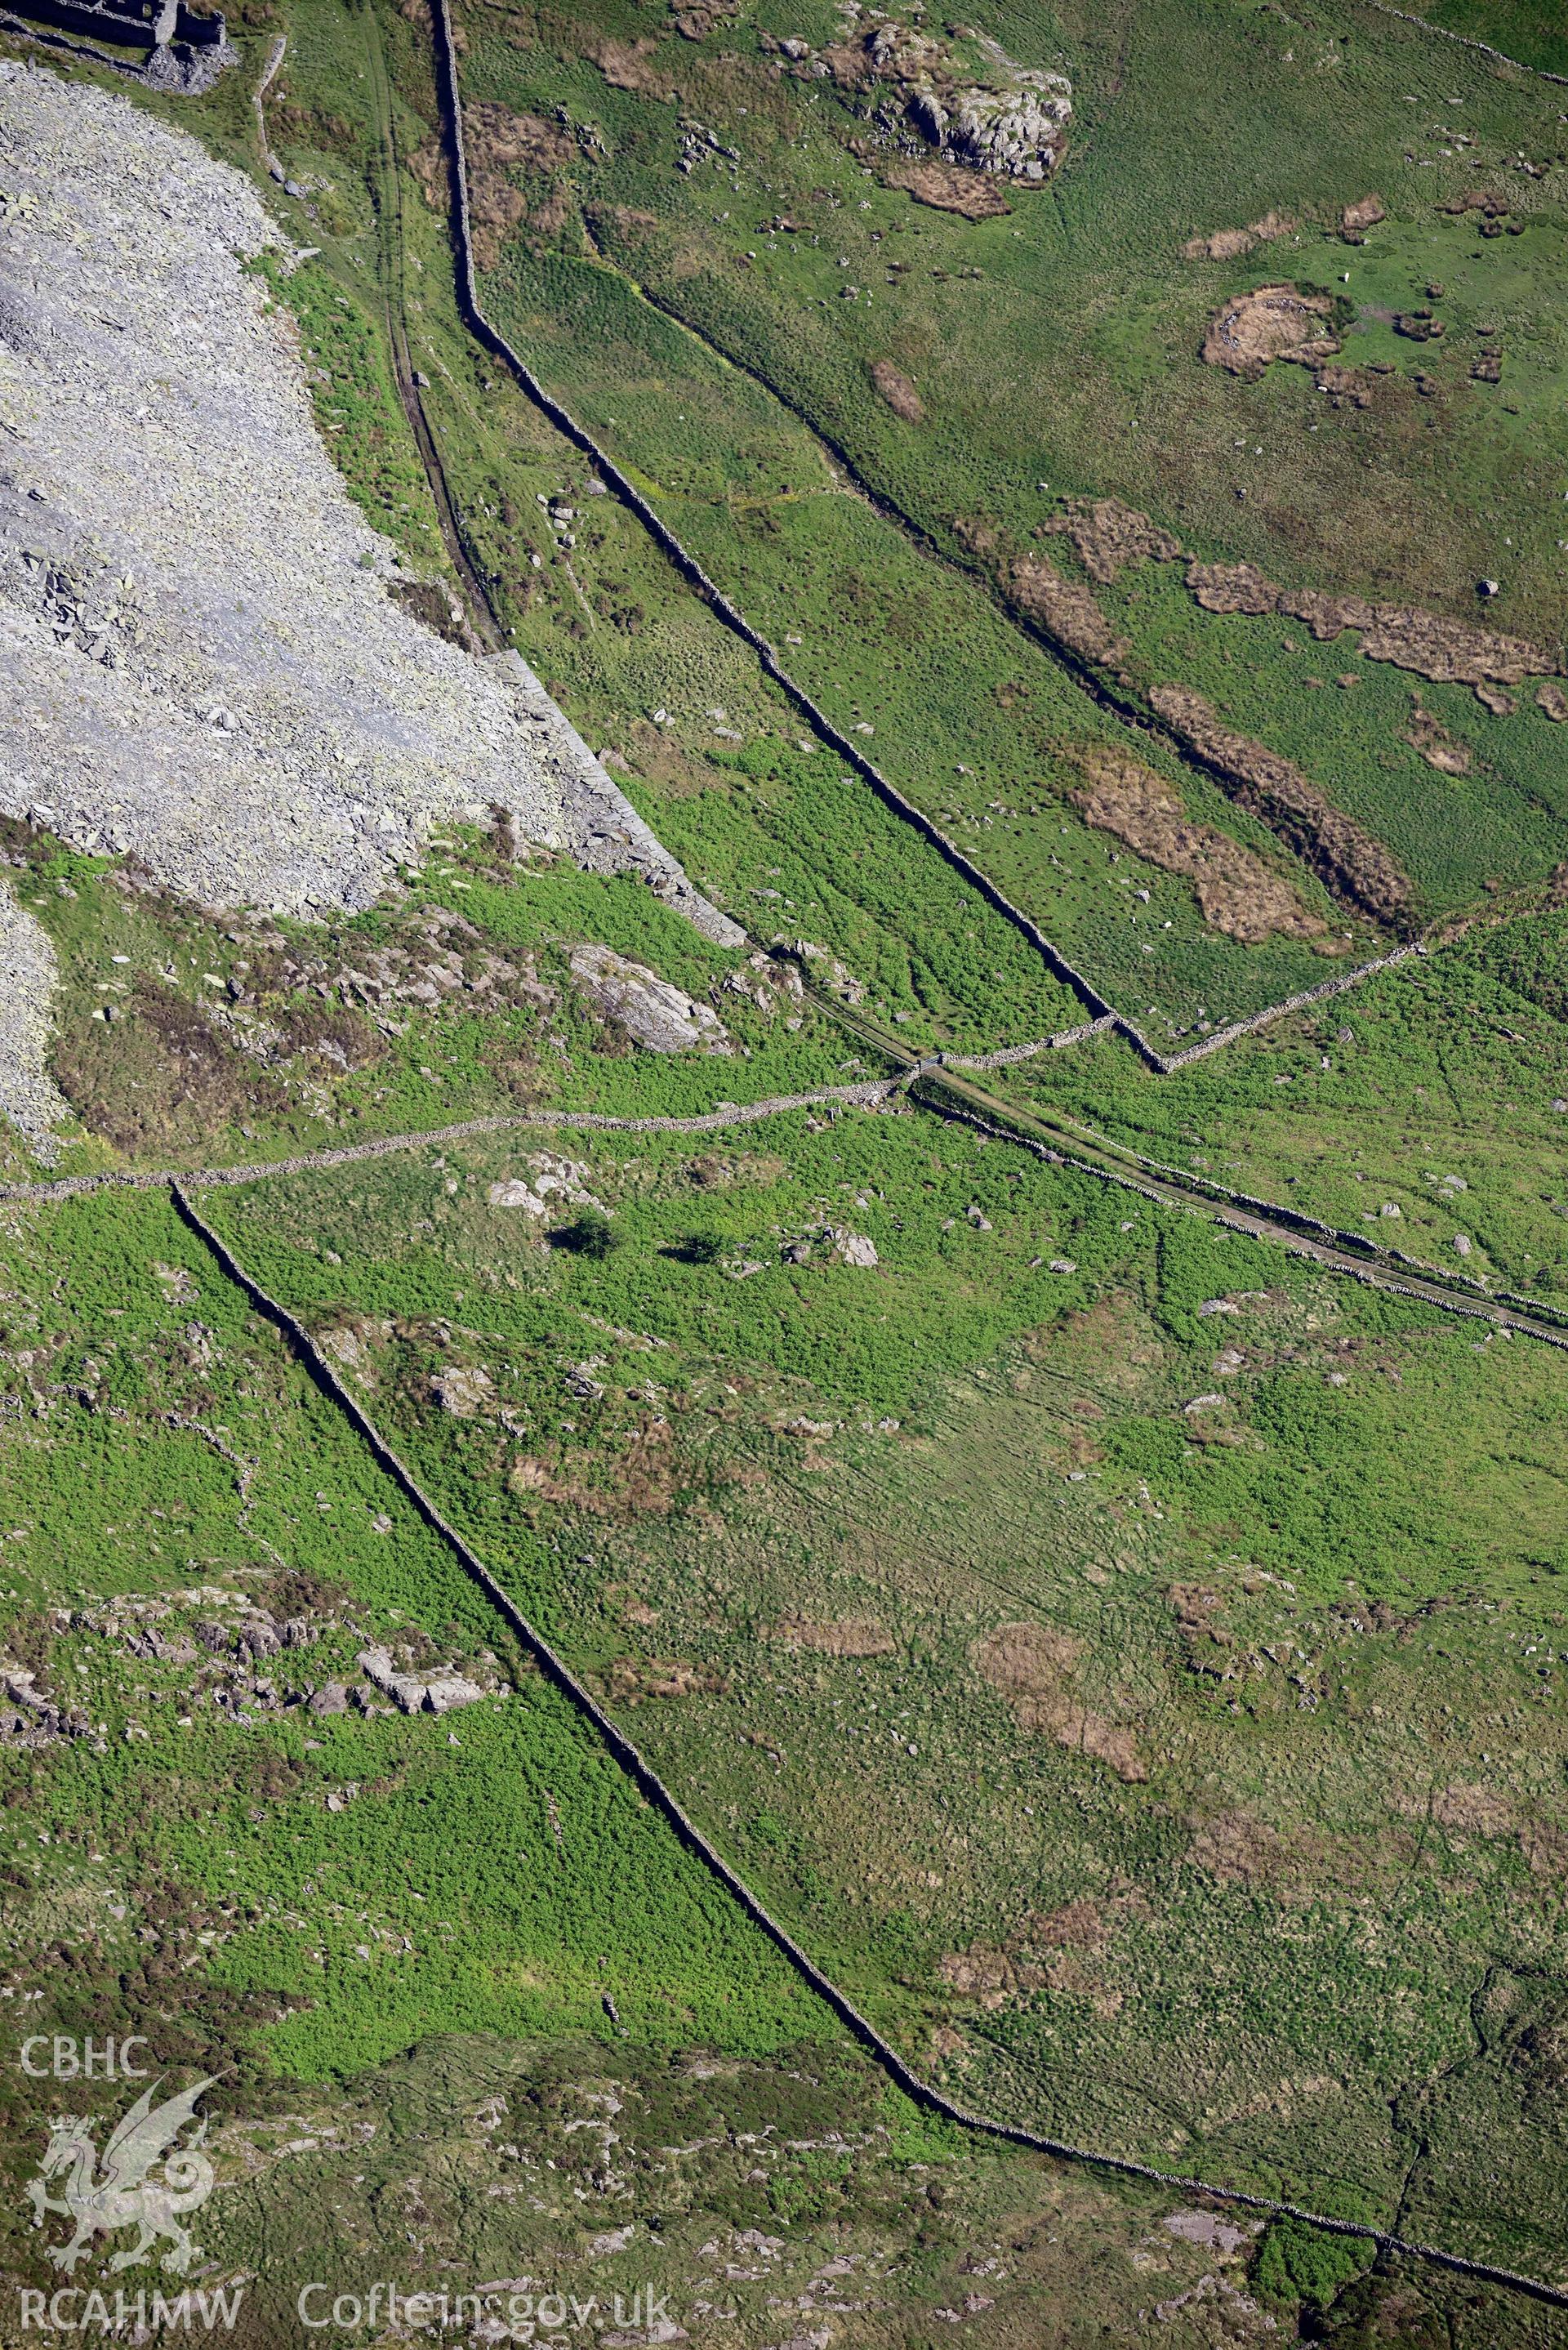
x=1168, y=1187
x=1103, y=1013
x=651, y=1785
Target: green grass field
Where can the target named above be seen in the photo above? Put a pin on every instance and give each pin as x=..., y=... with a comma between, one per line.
x=1126, y=1656
x=764, y=331
x=779, y=1511
x=1433, y=1089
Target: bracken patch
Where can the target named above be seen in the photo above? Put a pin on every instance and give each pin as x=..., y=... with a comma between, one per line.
x=1352, y=863
x=949, y=188
x=1235, y=890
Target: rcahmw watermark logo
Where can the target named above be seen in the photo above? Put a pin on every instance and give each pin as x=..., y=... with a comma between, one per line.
x=147, y=2178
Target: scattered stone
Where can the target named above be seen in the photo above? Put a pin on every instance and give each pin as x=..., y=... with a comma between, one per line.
x=28, y=1094
x=1207, y=2230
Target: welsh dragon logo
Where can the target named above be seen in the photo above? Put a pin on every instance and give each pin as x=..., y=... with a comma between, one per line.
x=120, y=2194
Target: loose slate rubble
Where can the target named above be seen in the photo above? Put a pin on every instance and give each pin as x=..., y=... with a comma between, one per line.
x=205, y=666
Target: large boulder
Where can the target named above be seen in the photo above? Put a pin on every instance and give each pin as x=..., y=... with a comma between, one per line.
x=652, y=1011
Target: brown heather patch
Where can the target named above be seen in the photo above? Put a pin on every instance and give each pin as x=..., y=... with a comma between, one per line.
x=1232, y=587
x=1545, y=1850
x=947, y=187
x=1235, y=890
x=1057, y=1953
x=1027, y=1664
x=1066, y=609
x=1352, y=387
x=630, y=1681
x=1081, y=1925
x=1109, y=535
x=1271, y=322
x=499, y=144
x=1364, y=213
x=1449, y=652
x=624, y=65
x=1113, y=1338
x=1433, y=741
x=988, y=1975
x=898, y=391
x=698, y=18
x=1230, y=244
x=427, y=164
x=1234, y=1848
x=639, y=1474
x=1471, y=1810
x=1031, y=1667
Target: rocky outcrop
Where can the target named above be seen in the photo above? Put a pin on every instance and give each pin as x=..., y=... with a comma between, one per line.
x=436, y=1692
x=653, y=1012
x=549, y=1178
x=204, y=666
x=991, y=115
